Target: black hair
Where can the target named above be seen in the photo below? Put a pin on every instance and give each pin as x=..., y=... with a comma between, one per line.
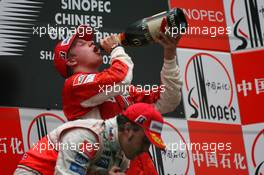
x=122, y=120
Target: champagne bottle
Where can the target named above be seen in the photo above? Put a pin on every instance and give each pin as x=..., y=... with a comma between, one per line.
x=143, y=31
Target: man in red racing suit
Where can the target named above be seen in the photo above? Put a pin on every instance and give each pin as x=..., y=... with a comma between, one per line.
x=88, y=93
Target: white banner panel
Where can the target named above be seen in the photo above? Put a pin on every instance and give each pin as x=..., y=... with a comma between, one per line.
x=209, y=90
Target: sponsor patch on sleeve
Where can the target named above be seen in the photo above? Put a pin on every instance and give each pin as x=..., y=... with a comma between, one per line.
x=103, y=163
x=74, y=167
x=89, y=149
x=81, y=159
x=83, y=79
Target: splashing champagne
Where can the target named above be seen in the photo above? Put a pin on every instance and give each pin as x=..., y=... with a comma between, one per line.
x=143, y=31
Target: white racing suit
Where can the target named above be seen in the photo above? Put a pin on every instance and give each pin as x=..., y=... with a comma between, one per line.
x=80, y=147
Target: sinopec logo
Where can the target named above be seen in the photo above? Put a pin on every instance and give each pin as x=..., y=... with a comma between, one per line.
x=41, y=125
x=247, y=17
x=204, y=15
x=257, y=153
x=175, y=159
x=209, y=87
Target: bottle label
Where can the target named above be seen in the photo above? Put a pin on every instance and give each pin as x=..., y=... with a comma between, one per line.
x=143, y=31
x=145, y=28
x=154, y=26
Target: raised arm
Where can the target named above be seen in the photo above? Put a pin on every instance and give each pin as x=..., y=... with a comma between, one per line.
x=168, y=96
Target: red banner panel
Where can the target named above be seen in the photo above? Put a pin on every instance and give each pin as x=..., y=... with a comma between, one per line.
x=249, y=76
x=217, y=148
x=207, y=27
x=11, y=141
